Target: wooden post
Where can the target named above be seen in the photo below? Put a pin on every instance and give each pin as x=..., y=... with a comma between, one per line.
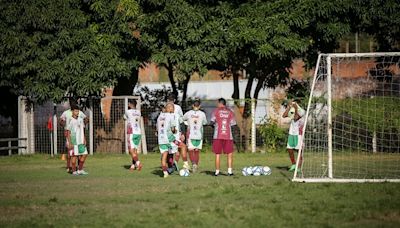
x=144, y=144
x=9, y=150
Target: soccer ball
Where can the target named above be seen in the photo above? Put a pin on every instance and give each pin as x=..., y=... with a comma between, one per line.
x=266, y=170
x=249, y=170
x=257, y=171
x=184, y=173
x=245, y=171
x=291, y=113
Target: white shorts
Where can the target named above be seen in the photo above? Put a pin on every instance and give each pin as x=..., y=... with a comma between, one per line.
x=174, y=147
x=133, y=141
x=195, y=144
x=171, y=148
x=78, y=150
x=294, y=142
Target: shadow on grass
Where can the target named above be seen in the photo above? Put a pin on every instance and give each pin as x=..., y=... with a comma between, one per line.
x=127, y=166
x=158, y=172
x=211, y=173
x=207, y=172
x=283, y=170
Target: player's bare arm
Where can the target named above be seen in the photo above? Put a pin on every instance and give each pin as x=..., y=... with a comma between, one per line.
x=285, y=114
x=68, y=134
x=62, y=122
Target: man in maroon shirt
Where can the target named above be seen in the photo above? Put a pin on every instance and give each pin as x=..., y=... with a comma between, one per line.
x=223, y=119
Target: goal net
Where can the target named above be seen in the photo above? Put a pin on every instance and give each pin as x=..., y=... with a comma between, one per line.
x=352, y=124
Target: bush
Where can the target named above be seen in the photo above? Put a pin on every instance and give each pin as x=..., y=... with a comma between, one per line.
x=273, y=135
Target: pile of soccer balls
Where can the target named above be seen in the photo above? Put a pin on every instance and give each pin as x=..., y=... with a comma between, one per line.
x=256, y=171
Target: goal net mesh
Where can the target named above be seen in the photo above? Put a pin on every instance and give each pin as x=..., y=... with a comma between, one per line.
x=352, y=125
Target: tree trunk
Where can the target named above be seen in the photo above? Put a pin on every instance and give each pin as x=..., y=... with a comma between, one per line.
x=125, y=86
x=236, y=92
x=247, y=97
x=259, y=86
x=184, y=94
x=246, y=112
x=170, y=69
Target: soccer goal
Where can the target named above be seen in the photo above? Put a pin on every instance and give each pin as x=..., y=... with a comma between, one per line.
x=352, y=124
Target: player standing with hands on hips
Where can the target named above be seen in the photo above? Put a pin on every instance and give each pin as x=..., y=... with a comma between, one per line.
x=223, y=119
x=295, y=113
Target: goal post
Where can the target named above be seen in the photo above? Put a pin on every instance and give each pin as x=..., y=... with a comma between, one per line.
x=352, y=123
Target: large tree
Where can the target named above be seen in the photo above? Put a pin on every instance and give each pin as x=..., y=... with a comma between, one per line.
x=50, y=49
x=182, y=38
x=264, y=37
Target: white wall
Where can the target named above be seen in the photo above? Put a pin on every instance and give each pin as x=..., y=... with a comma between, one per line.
x=211, y=90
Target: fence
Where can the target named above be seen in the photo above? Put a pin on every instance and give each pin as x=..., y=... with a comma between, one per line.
x=10, y=145
x=105, y=131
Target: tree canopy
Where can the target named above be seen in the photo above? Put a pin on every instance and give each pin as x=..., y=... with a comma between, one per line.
x=51, y=49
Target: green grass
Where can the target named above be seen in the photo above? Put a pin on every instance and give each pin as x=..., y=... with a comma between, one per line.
x=35, y=191
x=352, y=164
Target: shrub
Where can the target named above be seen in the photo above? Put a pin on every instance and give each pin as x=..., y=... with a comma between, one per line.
x=273, y=135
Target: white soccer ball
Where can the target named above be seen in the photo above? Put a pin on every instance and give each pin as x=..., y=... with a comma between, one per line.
x=245, y=171
x=257, y=171
x=249, y=170
x=184, y=173
x=266, y=170
x=291, y=113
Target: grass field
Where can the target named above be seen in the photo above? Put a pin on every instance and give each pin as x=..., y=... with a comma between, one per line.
x=352, y=164
x=35, y=191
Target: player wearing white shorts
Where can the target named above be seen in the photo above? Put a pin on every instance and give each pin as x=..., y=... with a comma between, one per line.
x=133, y=134
x=295, y=113
x=195, y=119
x=76, y=141
x=178, y=145
x=180, y=138
x=65, y=118
x=165, y=133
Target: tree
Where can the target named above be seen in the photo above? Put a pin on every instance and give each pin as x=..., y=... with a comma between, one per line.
x=380, y=19
x=264, y=37
x=52, y=49
x=181, y=37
